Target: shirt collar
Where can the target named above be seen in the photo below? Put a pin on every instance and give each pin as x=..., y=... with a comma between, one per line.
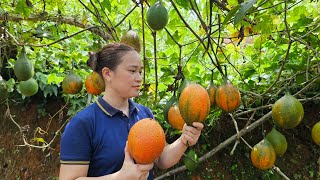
x=111, y=111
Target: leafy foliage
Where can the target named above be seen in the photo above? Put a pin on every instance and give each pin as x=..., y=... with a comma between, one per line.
x=267, y=46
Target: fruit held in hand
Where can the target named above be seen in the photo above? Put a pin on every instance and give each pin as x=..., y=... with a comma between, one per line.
x=146, y=141
x=194, y=103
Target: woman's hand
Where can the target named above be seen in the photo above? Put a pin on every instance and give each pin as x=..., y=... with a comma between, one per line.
x=130, y=170
x=191, y=134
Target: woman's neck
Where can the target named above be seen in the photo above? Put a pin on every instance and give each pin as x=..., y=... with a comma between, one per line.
x=117, y=102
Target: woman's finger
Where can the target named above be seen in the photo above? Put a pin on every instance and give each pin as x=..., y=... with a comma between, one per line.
x=198, y=125
x=192, y=130
x=145, y=167
x=190, y=139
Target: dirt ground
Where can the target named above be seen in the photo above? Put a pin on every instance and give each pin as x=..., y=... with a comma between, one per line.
x=21, y=162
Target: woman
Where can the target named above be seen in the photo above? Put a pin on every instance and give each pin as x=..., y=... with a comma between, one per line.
x=93, y=144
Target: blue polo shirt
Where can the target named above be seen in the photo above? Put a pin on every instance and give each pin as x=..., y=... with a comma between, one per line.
x=96, y=136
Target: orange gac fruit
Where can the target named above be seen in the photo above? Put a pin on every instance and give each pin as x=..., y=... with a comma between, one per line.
x=174, y=117
x=72, y=83
x=228, y=96
x=146, y=141
x=263, y=155
x=194, y=103
x=94, y=83
x=211, y=89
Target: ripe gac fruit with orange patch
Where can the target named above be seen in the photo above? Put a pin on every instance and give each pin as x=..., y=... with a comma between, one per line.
x=228, y=96
x=174, y=117
x=146, y=141
x=194, y=103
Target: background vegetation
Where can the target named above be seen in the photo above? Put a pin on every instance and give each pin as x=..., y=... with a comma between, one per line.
x=266, y=46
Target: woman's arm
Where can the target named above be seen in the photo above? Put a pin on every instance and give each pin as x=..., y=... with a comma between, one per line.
x=129, y=170
x=79, y=172
x=172, y=153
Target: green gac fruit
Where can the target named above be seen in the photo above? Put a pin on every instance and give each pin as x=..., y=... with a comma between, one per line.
x=190, y=160
x=23, y=68
x=157, y=16
x=28, y=87
x=287, y=112
x=131, y=38
x=315, y=132
x=278, y=141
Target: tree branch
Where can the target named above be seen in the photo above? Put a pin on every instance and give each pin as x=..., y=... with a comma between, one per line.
x=57, y=19
x=220, y=146
x=43, y=45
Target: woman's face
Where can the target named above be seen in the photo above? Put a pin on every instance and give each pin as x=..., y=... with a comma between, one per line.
x=126, y=79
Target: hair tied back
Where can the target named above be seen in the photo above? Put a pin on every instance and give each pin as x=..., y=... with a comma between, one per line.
x=92, y=61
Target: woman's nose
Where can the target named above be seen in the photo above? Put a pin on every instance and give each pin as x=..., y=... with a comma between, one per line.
x=139, y=77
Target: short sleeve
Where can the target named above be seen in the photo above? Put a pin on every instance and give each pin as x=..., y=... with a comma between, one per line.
x=75, y=145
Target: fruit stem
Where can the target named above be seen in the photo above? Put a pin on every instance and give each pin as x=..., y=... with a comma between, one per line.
x=225, y=78
x=211, y=78
x=130, y=27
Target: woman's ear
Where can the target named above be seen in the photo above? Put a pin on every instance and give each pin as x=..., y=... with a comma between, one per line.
x=106, y=74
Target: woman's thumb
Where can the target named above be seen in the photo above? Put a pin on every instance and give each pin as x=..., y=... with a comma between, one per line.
x=127, y=156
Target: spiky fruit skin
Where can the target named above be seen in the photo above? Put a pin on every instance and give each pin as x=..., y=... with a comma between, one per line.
x=131, y=38
x=146, y=141
x=263, y=155
x=29, y=87
x=194, y=103
x=228, y=97
x=157, y=16
x=72, y=83
x=287, y=112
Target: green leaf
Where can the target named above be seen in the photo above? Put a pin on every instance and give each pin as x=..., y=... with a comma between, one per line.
x=10, y=85
x=184, y=4
x=231, y=14
x=53, y=78
x=106, y=4
x=23, y=9
x=244, y=7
